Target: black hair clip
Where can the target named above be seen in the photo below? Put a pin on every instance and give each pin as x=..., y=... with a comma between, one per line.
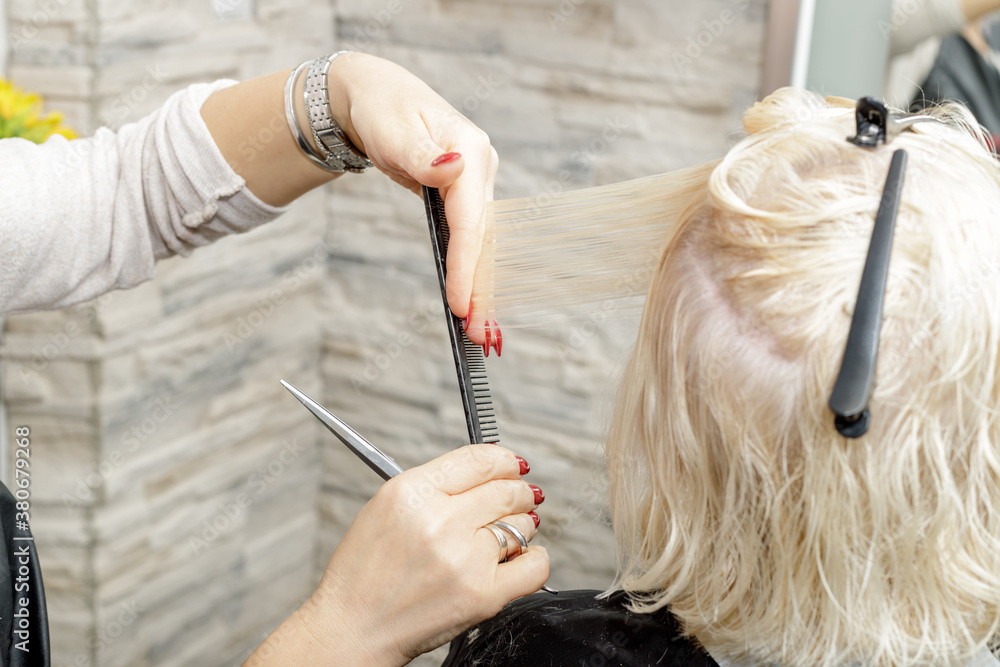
x=849, y=399
x=877, y=125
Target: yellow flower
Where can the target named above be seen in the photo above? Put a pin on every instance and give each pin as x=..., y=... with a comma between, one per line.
x=21, y=116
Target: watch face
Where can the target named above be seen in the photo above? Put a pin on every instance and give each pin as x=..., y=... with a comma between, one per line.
x=342, y=150
x=330, y=138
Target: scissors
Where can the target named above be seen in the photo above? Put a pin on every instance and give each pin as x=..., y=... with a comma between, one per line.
x=382, y=463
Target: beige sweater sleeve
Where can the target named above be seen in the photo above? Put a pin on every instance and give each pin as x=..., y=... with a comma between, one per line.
x=79, y=218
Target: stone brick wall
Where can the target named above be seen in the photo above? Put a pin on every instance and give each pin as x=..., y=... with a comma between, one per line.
x=183, y=503
x=175, y=486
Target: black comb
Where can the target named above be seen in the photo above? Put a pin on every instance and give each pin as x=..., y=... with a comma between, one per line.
x=469, y=361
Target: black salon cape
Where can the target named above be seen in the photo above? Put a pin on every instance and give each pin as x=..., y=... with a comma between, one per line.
x=575, y=628
x=960, y=73
x=20, y=582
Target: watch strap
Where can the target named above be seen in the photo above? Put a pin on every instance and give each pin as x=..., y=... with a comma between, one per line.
x=340, y=154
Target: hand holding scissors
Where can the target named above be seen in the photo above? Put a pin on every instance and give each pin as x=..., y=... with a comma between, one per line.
x=387, y=468
x=418, y=565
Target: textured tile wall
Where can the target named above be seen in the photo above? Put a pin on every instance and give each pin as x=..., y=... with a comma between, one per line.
x=183, y=504
x=176, y=484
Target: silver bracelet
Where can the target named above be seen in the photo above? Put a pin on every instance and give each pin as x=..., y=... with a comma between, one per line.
x=340, y=154
x=293, y=121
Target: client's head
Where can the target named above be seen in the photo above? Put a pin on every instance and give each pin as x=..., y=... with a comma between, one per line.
x=735, y=500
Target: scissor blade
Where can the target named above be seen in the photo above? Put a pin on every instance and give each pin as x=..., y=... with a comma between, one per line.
x=367, y=452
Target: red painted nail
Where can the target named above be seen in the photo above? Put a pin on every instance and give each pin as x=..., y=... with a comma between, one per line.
x=445, y=158
x=534, y=517
x=497, y=338
x=539, y=494
x=525, y=468
x=486, y=345
x=468, y=316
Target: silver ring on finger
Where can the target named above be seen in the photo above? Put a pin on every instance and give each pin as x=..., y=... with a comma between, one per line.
x=502, y=539
x=517, y=534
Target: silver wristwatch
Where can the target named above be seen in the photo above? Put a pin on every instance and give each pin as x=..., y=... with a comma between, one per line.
x=339, y=153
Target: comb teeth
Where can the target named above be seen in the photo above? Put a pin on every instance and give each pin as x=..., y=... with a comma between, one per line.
x=470, y=363
x=482, y=400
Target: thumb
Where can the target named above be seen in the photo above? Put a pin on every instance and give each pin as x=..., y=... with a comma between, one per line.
x=433, y=165
x=464, y=169
x=523, y=575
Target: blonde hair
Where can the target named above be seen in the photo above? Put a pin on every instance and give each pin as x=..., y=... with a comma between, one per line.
x=734, y=500
x=544, y=256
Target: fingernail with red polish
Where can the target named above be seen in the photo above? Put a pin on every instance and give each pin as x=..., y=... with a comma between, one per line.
x=534, y=517
x=468, y=316
x=486, y=345
x=497, y=338
x=539, y=494
x=525, y=468
x=445, y=158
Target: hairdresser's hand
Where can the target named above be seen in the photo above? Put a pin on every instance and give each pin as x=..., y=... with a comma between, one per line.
x=416, y=567
x=407, y=130
x=416, y=137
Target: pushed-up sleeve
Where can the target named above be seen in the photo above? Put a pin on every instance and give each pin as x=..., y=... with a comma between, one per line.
x=79, y=218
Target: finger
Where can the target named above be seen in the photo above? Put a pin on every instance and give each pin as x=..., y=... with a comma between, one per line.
x=468, y=467
x=461, y=163
x=405, y=151
x=464, y=170
x=524, y=575
x=478, y=318
x=523, y=524
x=465, y=207
x=436, y=163
x=402, y=178
x=496, y=498
x=496, y=544
x=499, y=539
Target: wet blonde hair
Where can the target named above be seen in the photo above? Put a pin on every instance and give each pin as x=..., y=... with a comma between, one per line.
x=735, y=501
